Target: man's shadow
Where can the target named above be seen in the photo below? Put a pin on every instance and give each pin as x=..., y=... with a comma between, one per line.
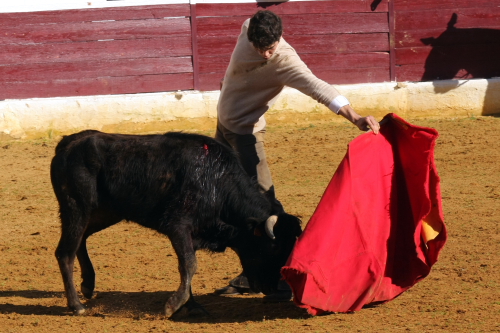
x=462, y=54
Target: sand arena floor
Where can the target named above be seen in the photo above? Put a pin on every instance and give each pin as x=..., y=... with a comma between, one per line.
x=137, y=269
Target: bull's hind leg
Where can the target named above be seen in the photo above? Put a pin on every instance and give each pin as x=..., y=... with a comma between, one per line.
x=99, y=220
x=87, y=269
x=180, y=236
x=73, y=227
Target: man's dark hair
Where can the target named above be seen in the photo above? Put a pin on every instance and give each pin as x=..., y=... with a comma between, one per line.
x=265, y=29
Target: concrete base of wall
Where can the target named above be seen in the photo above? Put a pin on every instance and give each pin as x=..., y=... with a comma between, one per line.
x=48, y=117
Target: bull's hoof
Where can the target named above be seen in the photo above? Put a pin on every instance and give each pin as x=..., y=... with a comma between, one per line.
x=88, y=293
x=169, y=311
x=78, y=311
x=186, y=311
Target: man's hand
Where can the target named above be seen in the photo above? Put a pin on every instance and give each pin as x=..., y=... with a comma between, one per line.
x=363, y=123
x=367, y=123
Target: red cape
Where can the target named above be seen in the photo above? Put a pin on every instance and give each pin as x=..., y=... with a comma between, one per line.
x=379, y=226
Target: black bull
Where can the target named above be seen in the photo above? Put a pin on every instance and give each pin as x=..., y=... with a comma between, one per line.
x=188, y=187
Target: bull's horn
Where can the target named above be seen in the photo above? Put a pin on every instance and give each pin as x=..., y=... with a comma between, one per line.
x=271, y=221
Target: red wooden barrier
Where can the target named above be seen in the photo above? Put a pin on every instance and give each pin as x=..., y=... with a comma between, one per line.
x=95, y=51
x=180, y=46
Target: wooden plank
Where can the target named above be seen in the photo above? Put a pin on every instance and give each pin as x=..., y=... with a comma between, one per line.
x=91, y=31
x=334, y=43
x=339, y=43
x=301, y=24
x=412, y=72
x=410, y=5
x=92, y=68
x=104, y=50
x=94, y=14
x=456, y=61
x=324, y=62
x=210, y=81
x=355, y=75
x=335, y=23
x=219, y=26
x=447, y=70
x=286, y=8
x=209, y=64
x=96, y=86
x=435, y=19
x=216, y=45
x=440, y=37
x=485, y=54
x=412, y=55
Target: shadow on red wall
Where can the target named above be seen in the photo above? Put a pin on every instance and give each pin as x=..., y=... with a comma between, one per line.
x=461, y=54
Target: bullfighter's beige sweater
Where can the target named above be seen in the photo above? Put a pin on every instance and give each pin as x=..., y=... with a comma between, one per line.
x=252, y=84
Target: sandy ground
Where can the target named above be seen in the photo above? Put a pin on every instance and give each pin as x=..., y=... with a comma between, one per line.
x=137, y=269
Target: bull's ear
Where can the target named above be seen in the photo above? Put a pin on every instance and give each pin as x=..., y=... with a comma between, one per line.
x=453, y=21
x=288, y=224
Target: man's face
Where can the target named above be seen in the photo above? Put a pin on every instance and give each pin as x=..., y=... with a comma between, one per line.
x=269, y=51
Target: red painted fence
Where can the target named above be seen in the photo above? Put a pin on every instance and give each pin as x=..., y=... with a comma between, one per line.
x=180, y=46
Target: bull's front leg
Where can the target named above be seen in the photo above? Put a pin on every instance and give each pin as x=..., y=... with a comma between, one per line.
x=180, y=236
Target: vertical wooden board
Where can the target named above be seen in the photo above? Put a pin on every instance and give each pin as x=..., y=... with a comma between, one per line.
x=94, y=14
x=92, y=68
x=96, y=50
x=294, y=7
x=97, y=86
x=92, y=31
x=194, y=43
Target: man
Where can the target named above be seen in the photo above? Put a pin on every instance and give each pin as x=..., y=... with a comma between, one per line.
x=261, y=65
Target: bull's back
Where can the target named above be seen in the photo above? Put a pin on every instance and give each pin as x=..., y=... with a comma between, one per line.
x=139, y=175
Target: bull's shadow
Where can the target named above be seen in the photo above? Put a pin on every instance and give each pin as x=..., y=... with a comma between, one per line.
x=462, y=54
x=150, y=305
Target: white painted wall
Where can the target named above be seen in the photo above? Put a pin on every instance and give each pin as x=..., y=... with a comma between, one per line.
x=44, y=117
